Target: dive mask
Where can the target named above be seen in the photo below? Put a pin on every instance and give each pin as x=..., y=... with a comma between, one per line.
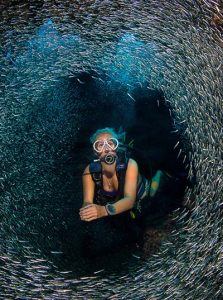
x=110, y=144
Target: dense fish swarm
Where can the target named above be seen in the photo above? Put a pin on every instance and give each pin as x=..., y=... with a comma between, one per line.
x=176, y=46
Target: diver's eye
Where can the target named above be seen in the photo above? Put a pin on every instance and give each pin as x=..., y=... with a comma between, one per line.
x=113, y=143
x=98, y=145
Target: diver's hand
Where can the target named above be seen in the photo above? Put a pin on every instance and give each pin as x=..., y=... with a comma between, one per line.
x=92, y=212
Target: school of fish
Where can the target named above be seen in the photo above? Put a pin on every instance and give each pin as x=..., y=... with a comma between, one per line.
x=177, y=48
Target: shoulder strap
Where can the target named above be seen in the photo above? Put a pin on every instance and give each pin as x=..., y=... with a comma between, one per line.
x=95, y=170
x=121, y=171
x=121, y=166
x=96, y=175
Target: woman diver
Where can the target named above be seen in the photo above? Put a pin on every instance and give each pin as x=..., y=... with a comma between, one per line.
x=105, y=144
x=113, y=190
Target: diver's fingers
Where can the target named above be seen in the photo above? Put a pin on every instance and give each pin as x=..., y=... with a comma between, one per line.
x=90, y=210
x=90, y=213
x=85, y=217
x=86, y=207
x=90, y=219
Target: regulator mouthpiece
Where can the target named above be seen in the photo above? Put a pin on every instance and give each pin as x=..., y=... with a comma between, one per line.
x=109, y=159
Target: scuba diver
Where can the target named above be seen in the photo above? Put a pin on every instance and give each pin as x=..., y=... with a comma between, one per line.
x=115, y=194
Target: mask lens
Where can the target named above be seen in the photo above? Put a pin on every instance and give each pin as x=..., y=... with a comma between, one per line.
x=112, y=143
x=99, y=145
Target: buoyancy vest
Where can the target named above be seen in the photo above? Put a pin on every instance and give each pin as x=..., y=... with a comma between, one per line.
x=102, y=198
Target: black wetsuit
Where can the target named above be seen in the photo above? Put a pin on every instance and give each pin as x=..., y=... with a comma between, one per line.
x=111, y=232
x=106, y=234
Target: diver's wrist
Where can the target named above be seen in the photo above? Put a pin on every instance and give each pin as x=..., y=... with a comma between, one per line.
x=105, y=212
x=85, y=203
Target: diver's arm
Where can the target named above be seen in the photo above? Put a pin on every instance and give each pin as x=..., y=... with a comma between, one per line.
x=88, y=187
x=89, y=210
x=128, y=201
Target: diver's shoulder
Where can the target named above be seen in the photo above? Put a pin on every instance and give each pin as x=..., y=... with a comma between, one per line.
x=86, y=170
x=132, y=162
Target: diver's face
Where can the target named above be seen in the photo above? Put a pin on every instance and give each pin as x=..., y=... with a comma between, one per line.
x=105, y=144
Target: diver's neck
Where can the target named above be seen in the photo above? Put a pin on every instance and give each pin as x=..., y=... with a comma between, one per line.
x=108, y=169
